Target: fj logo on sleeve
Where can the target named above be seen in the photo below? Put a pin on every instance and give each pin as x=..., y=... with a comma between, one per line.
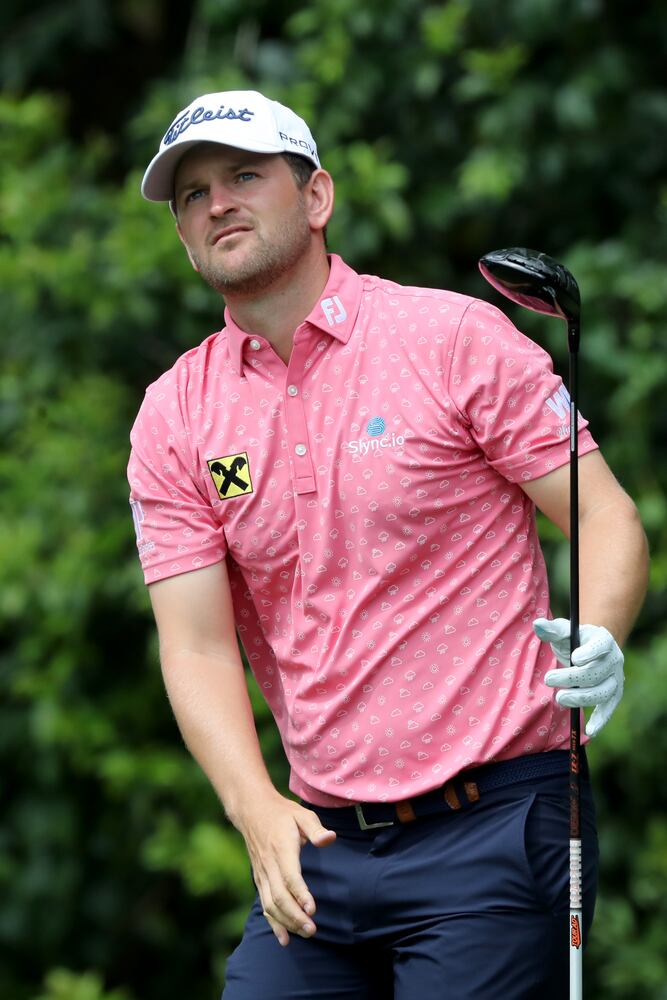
x=231, y=475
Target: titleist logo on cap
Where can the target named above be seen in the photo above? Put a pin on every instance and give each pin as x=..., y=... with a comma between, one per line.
x=203, y=114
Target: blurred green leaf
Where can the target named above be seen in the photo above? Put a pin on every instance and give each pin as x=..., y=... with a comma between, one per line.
x=61, y=984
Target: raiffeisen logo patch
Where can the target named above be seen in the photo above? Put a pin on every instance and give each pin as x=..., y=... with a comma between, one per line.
x=377, y=439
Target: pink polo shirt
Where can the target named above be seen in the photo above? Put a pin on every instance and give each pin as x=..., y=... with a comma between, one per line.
x=384, y=560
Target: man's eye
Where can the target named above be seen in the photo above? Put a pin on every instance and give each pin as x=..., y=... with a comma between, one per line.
x=246, y=175
x=193, y=195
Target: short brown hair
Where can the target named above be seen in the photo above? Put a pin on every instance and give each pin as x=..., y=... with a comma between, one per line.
x=302, y=168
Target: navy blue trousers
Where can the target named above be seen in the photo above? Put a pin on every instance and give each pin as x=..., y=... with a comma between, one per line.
x=466, y=905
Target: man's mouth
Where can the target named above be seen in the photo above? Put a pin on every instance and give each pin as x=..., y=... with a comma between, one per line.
x=225, y=234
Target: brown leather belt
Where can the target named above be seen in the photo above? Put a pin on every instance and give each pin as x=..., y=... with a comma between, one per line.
x=460, y=792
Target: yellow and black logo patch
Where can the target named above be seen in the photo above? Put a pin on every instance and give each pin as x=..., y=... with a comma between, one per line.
x=231, y=475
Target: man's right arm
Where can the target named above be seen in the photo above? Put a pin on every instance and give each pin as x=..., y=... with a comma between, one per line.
x=205, y=680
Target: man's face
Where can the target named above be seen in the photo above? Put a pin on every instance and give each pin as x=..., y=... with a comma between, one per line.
x=241, y=217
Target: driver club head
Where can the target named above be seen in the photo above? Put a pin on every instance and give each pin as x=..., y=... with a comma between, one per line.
x=533, y=280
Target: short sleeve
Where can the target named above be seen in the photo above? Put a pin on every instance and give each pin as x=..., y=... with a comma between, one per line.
x=175, y=523
x=516, y=408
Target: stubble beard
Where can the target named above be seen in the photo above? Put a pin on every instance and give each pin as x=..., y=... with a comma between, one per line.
x=268, y=262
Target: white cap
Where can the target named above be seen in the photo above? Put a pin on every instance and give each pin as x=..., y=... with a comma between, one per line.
x=243, y=119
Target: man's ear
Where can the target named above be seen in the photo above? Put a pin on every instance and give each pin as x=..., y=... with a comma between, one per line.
x=187, y=248
x=319, y=194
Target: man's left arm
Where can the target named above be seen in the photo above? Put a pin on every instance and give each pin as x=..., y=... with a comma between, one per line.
x=613, y=577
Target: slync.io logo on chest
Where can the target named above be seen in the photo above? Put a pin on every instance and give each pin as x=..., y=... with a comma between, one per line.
x=377, y=440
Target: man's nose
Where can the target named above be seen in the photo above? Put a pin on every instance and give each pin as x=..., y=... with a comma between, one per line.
x=221, y=200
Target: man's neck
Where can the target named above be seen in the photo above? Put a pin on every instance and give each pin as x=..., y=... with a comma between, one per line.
x=276, y=312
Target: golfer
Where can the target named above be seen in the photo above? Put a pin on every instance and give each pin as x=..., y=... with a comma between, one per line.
x=346, y=477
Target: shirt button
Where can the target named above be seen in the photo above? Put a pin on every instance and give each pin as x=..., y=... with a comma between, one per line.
x=301, y=449
x=255, y=345
x=292, y=390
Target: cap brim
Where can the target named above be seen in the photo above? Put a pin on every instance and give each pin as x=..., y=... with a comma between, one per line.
x=158, y=181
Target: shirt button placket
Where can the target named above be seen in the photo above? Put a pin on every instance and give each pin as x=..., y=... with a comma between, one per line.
x=297, y=431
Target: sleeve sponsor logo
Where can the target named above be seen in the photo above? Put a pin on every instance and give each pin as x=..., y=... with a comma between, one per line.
x=138, y=517
x=559, y=403
x=231, y=475
x=143, y=545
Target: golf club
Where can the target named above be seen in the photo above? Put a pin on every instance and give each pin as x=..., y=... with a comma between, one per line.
x=541, y=284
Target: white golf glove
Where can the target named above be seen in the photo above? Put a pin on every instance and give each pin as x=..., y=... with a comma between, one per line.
x=595, y=676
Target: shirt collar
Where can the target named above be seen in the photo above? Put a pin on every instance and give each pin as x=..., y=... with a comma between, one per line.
x=335, y=312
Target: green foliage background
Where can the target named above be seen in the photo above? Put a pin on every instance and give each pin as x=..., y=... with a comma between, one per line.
x=451, y=129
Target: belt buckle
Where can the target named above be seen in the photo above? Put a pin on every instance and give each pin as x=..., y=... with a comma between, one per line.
x=363, y=825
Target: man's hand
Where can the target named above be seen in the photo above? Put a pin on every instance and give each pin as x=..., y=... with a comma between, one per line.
x=595, y=676
x=274, y=833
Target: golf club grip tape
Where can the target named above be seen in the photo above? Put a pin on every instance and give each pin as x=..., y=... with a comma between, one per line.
x=575, y=874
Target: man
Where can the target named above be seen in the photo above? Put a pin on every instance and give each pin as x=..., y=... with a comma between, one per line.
x=347, y=474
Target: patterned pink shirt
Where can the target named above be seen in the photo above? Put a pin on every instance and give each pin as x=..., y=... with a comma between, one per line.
x=384, y=560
